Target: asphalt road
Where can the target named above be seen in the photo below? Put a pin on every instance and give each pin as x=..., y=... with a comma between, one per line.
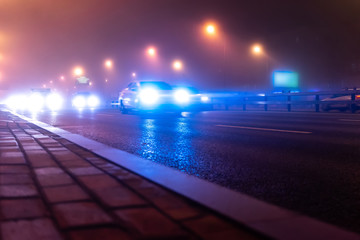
x=307, y=162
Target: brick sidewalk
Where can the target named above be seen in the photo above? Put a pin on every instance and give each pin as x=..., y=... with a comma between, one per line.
x=53, y=189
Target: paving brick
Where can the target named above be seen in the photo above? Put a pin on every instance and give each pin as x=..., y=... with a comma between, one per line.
x=8, y=179
x=57, y=148
x=101, y=181
x=41, y=229
x=24, y=190
x=13, y=169
x=150, y=223
x=175, y=206
x=65, y=193
x=19, y=159
x=119, y=197
x=54, y=180
x=85, y=171
x=80, y=214
x=48, y=171
x=21, y=208
x=32, y=147
x=99, y=233
x=65, y=156
x=41, y=159
x=213, y=228
x=76, y=163
x=110, y=191
x=8, y=143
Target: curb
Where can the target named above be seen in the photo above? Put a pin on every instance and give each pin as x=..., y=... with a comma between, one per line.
x=268, y=219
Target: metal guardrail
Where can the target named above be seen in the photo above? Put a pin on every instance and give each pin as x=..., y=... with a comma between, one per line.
x=310, y=101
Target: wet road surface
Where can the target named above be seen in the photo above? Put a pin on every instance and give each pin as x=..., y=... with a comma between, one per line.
x=307, y=162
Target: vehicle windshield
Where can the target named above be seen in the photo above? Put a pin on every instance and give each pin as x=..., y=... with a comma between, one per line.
x=156, y=84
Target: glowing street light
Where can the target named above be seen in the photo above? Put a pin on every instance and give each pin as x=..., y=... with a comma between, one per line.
x=78, y=71
x=210, y=29
x=62, y=78
x=151, y=51
x=177, y=65
x=108, y=64
x=133, y=75
x=257, y=49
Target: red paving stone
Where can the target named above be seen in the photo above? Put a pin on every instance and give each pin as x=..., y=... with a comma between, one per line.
x=88, y=197
x=42, y=229
x=80, y=214
x=22, y=208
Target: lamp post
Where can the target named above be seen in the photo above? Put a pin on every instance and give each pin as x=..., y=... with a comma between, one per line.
x=211, y=30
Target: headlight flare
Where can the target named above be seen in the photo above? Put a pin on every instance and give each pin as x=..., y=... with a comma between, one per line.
x=36, y=102
x=93, y=101
x=79, y=102
x=54, y=102
x=149, y=96
x=205, y=98
x=182, y=96
x=17, y=102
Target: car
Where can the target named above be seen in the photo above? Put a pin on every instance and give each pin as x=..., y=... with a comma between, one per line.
x=339, y=102
x=81, y=100
x=159, y=96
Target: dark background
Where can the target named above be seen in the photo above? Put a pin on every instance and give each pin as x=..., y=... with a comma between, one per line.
x=41, y=40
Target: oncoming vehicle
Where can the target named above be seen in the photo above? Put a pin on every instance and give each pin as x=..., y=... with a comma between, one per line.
x=159, y=96
x=83, y=100
x=339, y=102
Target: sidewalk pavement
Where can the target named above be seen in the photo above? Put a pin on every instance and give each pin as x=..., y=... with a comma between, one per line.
x=51, y=188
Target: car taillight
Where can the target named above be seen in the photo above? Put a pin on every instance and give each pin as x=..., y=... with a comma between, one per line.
x=357, y=97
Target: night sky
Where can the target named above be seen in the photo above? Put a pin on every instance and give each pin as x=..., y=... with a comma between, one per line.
x=41, y=40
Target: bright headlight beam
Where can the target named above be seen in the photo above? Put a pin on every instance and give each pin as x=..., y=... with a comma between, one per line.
x=36, y=102
x=204, y=98
x=182, y=96
x=149, y=96
x=79, y=102
x=93, y=101
x=54, y=102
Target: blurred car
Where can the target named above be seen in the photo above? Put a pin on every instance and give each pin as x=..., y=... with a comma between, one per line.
x=83, y=100
x=339, y=102
x=39, y=99
x=159, y=96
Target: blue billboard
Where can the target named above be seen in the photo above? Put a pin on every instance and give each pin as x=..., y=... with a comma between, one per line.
x=285, y=79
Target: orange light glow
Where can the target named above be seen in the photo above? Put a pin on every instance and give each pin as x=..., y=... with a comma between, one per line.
x=151, y=51
x=177, y=65
x=257, y=49
x=78, y=71
x=108, y=64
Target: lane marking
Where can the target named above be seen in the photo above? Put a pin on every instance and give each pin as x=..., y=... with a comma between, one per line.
x=349, y=120
x=264, y=129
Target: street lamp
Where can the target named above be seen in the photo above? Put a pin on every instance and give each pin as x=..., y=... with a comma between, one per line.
x=257, y=49
x=151, y=51
x=78, y=71
x=210, y=29
x=108, y=64
x=177, y=65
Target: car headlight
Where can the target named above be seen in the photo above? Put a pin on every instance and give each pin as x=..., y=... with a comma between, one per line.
x=182, y=96
x=149, y=96
x=54, y=102
x=204, y=98
x=36, y=102
x=79, y=102
x=93, y=101
x=17, y=102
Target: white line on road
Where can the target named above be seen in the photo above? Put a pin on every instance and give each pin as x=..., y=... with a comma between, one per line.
x=349, y=120
x=265, y=129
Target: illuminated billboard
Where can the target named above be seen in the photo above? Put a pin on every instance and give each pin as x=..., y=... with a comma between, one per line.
x=285, y=79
